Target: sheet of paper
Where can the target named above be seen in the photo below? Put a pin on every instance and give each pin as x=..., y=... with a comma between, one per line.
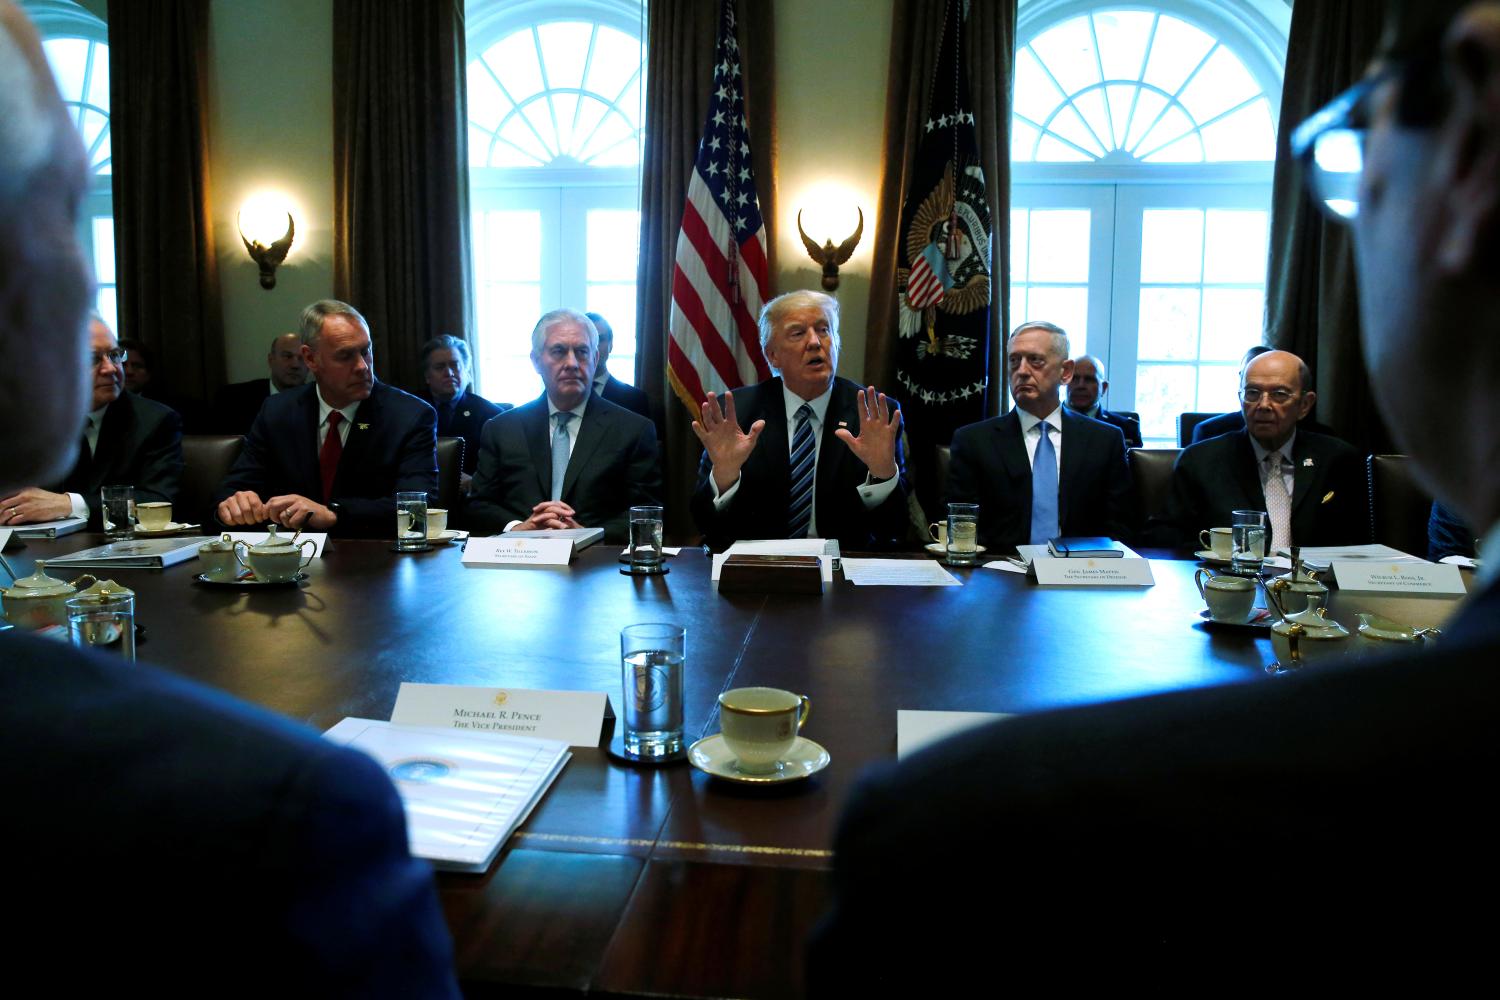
x=5, y=537
x=1325, y=554
x=897, y=573
x=1464, y=562
x=575, y=717
x=779, y=547
x=256, y=537
x=915, y=730
x=504, y=551
x=1398, y=577
x=666, y=550
x=1004, y=566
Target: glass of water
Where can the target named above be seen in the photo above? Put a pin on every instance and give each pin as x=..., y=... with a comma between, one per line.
x=411, y=521
x=645, y=540
x=963, y=534
x=118, y=506
x=651, y=659
x=103, y=621
x=1249, y=531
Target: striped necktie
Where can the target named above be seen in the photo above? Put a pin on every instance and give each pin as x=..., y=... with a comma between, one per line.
x=804, y=470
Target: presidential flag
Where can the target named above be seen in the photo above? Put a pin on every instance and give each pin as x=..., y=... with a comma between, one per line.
x=943, y=278
x=720, y=278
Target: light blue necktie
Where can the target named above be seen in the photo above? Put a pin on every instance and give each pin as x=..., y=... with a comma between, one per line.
x=1044, y=490
x=804, y=471
x=560, y=452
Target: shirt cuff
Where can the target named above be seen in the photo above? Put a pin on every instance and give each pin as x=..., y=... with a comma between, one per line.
x=874, y=494
x=511, y=525
x=721, y=500
x=80, y=508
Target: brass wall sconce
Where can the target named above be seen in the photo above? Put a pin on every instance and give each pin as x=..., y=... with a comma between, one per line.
x=265, y=247
x=828, y=255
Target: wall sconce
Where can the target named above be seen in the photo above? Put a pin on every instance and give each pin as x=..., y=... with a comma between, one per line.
x=828, y=255
x=265, y=237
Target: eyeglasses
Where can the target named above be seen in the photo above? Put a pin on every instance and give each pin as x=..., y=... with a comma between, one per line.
x=1250, y=395
x=116, y=357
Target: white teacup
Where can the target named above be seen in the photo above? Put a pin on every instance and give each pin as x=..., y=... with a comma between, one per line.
x=760, y=725
x=218, y=561
x=437, y=521
x=154, y=516
x=939, y=532
x=1229, y=598
x=1220, y=541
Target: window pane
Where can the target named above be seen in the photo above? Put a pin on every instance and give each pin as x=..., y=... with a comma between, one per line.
x=1096, y=116
x=1068, y=51
x=1059, y=245
x=1017, y=304
x=1232, y=320
x=1067, y=125
x=1020, y=219
x=1248, y=134
x=1068, y=307
x=1188, y=149
x=1036, y=94
x=68, y=58
x=507, y=312
x=613, y=245
x=108, y=307
x=487, y=103
x=513, y=245
x=617, y=57
x=1162, y=392
x=514, y=62
x=1235, y=247
x=1022, y=139
x=565, y=46
x=1175, y=51
x=1169, y=324
x=1173, y=125
x=98, y=94
x=1218, y=388
x=1052, y=151
x=1148, y=105
x=104, y=249
x=616, y=303
x=1171, y=245
x=1123, y=35
x=1222, y=83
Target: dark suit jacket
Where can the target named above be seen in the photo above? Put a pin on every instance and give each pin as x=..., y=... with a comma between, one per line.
x=628, y=396
x=614, y=466
x=1129, y=426
x=237, y=405
x=140, y=445
x=1220, y=475
x=465, y=418
x=989, y=467
x=224, y=848
x=759, y=508
x=1147, y=840
x=1228, y=423
x=391, y=447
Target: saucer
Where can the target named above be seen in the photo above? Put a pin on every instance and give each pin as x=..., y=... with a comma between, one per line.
x=446, y=536
x=170, y=528
x=939, y=549
x=711, y=755
x=250, y=581
x=1207, y=555
x=1259, y=621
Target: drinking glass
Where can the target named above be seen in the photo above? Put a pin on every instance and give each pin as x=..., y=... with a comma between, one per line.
x=103, y=622
x=963, y=534
x=411, y=521
x=118, y=503
x=645, y=540
x=1249, y=530
x=651, y=664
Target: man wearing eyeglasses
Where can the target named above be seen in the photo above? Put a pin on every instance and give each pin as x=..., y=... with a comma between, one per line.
x=127, y=440
x=1312, y=486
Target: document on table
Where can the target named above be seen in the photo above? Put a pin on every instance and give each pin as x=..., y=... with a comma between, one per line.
x=1322, y=555
x=897, y=573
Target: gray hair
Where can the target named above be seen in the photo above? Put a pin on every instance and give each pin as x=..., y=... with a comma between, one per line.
x=557, y=317
x=1093, y=359
x=606, y=332
x=772, y=312
x=311, y=327
x=448, y=342
x=1059, y=348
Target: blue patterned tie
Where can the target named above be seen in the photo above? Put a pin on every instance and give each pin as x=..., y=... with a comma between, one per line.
x=1044, y=490
x=560, y=452
x=804, y=470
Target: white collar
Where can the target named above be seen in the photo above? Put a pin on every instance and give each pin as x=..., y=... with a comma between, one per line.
x=347, y=412
x=1028, y=420
x=794, y=403
x=577, y=411
x=1261, y=451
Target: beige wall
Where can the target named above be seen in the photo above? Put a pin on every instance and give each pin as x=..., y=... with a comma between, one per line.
x=271, y=127
x=830, y=104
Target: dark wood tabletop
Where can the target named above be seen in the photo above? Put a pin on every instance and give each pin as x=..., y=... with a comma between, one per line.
x=667, y=881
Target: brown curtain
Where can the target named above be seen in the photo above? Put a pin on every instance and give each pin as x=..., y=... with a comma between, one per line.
x=165, y=268
x=1311, y=305
x=679, y=71
x=401, y=183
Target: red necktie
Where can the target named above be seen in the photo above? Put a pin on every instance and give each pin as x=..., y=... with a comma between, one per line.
x=328, y=458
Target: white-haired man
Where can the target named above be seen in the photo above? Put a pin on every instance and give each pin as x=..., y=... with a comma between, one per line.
x=806, y=454
x=570, y=458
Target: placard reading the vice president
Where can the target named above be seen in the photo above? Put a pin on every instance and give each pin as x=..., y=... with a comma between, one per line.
x=504, y=551
x=1126, y=572
x=576, y=717
x=1398, y=577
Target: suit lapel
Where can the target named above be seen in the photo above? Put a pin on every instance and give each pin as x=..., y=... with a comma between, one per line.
x=592, y=432
x=1073, y=461
x=772, y=456
x=1247, y=472
x=843, y=411
x=307, y=443
x=534, y=423
x=111, y=446
x=1011, y=448
x=364, y=430
x=1305, y=473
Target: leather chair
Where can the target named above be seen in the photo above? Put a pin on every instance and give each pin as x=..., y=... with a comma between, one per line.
x=1150, y=479
x=450, y=463
x=207, y=459
x=1399, y=508
x=1185, y=424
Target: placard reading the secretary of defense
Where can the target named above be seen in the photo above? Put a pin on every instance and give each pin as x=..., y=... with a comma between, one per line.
x=574, y=716
x=1127, y=572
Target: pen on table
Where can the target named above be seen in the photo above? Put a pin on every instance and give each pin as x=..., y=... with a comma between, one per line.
x=1327, y=496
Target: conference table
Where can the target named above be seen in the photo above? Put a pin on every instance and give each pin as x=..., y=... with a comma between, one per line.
x=666, y=881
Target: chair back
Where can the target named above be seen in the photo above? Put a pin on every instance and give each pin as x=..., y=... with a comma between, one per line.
x=1185, y=424
x=1150, y=480
x=450, y=463
x=206, y=461
x=1399, y=508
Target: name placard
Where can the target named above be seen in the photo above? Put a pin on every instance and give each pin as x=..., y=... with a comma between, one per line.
x=510, y=550
x=1127, y=572
x=1398, y=577
x=573, y=716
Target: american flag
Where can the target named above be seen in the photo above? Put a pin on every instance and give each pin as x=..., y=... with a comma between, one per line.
x=720, y=278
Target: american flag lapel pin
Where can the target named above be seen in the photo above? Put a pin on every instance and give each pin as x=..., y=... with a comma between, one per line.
x=1307, y=463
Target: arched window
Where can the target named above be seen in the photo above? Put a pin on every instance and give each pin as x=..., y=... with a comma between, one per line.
x=555, y=102
x=77, y=49
x=1143, y=139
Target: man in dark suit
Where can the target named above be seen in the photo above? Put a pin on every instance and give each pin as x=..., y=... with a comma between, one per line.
x=1086, y=391
x=238, y=404
x=606, y=385
x=461, y=412
x=224, y=849
x=1331, y=815
x=128, y=440
x=569, y=459
x=848, y=480
x=1085, y=490
x=1317, y=494
x=332, y=456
